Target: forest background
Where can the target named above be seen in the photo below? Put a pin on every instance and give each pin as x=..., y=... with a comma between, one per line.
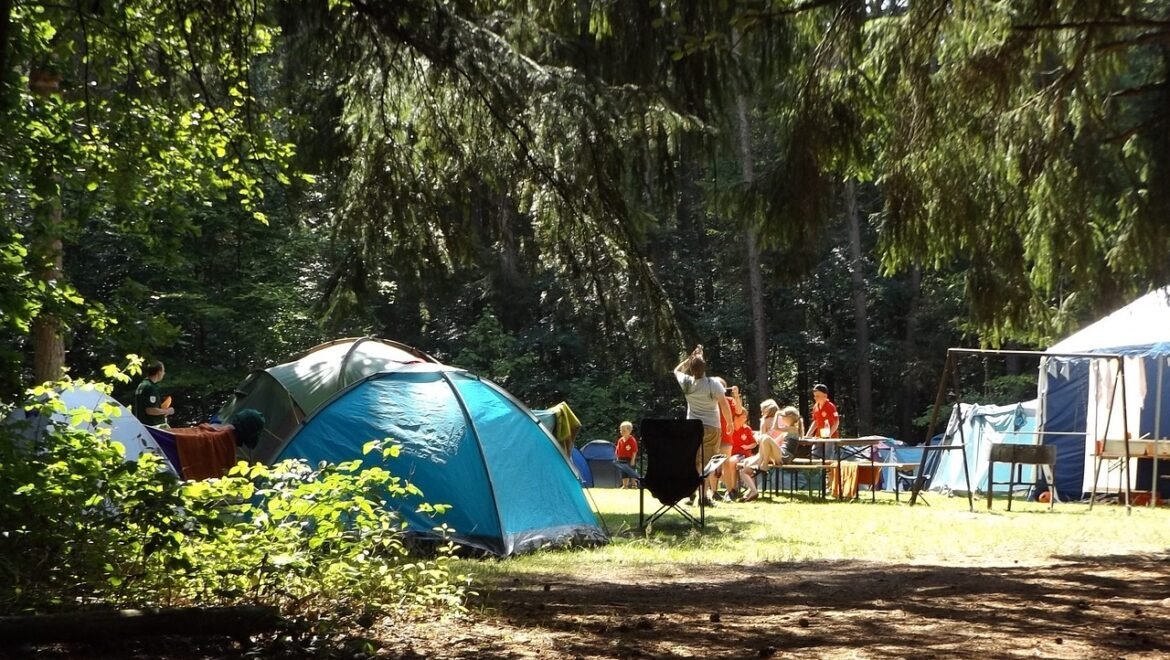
x=566, y=196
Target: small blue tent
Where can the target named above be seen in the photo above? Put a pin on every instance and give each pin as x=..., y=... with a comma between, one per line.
x=465, y=443
x=603, y=472
x=1080, y=397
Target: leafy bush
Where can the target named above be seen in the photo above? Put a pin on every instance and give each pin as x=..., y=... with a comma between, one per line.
x=81, y=526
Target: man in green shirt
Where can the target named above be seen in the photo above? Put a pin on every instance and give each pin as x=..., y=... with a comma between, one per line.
x=148, y=399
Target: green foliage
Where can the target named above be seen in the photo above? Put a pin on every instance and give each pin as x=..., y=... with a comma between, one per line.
x=80, y=522
x=1028, y=145
x=83, y=525
x=319, y=544
x=486, y=348
x=120, y=123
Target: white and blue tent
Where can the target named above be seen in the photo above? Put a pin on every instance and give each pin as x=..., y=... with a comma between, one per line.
x=1081, y=397
x=978, y=427
x=465, y=443
x=86, y=407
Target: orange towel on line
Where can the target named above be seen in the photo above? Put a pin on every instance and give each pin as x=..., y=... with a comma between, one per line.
x=844, y=484
x=205, y=452
x=853, y=475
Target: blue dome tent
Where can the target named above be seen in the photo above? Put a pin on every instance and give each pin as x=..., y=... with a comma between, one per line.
x=465, y=443
x=603, y=472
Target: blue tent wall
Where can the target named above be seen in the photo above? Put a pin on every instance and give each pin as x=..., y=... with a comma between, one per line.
x=892, y=451
x=1139, y=329
x=464, y=443
x=1066, y=403
x=1065, y=409
x=599, y=450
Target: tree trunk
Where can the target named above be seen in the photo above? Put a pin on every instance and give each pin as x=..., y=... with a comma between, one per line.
x=46, y=251
x=860, y=315
x=908, y=397
x=758, y=360
x=692, y=255
x=5, y=29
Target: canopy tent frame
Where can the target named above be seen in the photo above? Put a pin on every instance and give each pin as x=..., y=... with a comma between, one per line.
x=951, y=369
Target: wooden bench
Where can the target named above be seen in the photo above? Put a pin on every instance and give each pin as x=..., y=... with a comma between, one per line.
x=816, y=464
x=798, y=465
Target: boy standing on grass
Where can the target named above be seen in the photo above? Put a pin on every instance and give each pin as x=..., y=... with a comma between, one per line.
x=627, y=450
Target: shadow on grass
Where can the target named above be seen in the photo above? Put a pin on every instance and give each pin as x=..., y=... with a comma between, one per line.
x=1079, y=607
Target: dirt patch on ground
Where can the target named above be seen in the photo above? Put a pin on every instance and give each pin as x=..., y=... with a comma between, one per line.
x=1076, y=608
x=1095, y=607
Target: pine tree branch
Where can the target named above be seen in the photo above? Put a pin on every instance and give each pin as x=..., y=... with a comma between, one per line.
x=1121, y=22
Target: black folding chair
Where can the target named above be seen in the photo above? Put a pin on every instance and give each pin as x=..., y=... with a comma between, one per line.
x=669, y=447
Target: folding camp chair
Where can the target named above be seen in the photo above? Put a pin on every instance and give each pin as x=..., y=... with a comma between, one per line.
x=669, y=447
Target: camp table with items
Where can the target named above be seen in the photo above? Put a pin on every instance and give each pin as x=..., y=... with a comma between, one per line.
x=1118, y=451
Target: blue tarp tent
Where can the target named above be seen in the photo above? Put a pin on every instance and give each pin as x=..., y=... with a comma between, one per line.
x=465, y=443
x=1080, y=397
x=981, y=426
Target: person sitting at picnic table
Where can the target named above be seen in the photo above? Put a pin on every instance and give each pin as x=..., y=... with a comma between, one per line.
x=743, y=446
x=778, y=439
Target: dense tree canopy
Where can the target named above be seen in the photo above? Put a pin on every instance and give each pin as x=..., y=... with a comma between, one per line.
x=563, y=196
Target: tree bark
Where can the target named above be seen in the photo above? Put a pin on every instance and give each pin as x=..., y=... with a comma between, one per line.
x=692, y=254
x=120, y=624
x=758, y=362
x=47, y=252
x=5, y=29
x=908, y=398
x=860, y=314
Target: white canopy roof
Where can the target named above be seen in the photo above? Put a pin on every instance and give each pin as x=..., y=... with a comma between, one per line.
x=1143, y=322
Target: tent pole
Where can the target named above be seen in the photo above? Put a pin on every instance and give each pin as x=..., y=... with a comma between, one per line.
x=1157, y=430
x=1097, y=435
x=963, y=444
x=938, y=399
x=1125, y=434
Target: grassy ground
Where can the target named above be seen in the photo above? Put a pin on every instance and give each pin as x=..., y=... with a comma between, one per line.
x=800, y=529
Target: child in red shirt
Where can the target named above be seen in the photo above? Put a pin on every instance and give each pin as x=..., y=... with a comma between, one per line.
x=626, y=450
x=743, y=442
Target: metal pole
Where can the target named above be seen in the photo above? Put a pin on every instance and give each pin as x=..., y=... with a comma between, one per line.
x=1096, y=436
x=938, y=399
x=963, y=443
x=1125, y=433
x=1157, y=429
